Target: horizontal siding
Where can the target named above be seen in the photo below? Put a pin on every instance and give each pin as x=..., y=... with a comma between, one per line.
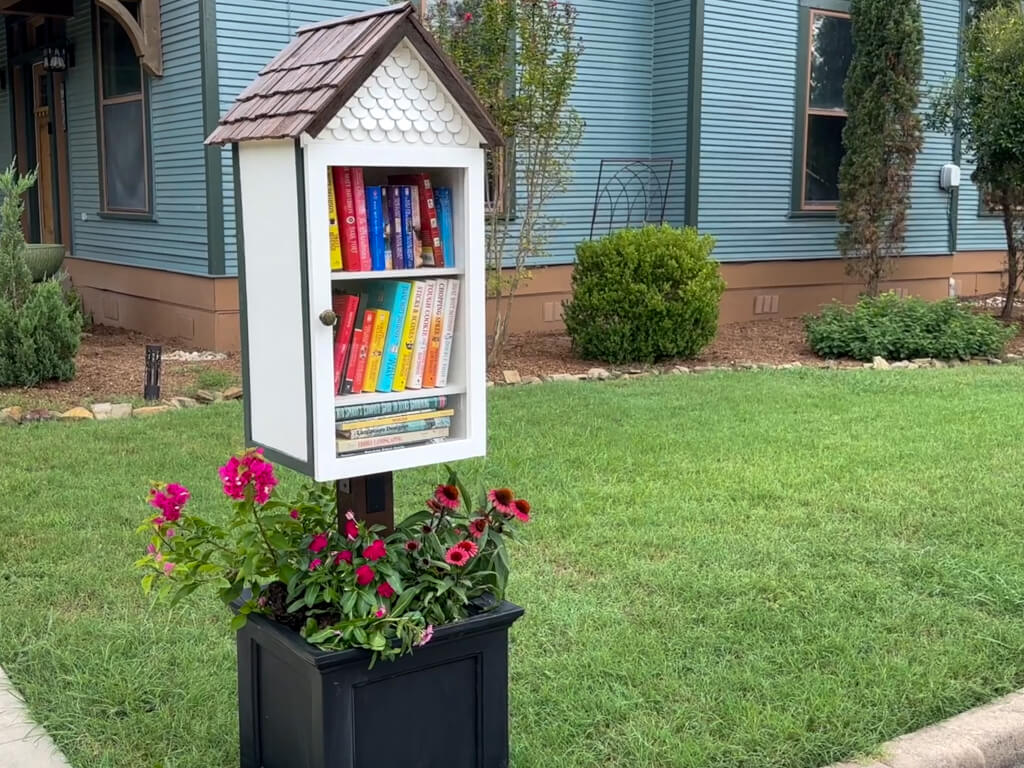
x=747, y=134
x=176, y=239
x=976, y=232
x=671, y=103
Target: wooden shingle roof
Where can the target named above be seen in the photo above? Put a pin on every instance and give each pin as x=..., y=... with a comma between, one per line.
x=308, y=82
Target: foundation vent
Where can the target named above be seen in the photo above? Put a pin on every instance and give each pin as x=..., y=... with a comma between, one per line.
x=552, y=311
x=766, y=305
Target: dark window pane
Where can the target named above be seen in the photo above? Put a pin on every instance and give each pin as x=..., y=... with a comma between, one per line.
x=831, y=49
x=124, y=156
x=824, y=154
x=122, y=75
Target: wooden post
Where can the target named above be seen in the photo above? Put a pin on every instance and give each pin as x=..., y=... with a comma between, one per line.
x=371, y=498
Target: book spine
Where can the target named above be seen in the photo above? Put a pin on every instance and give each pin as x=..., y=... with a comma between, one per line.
x=334, y=231
x=352, y=363
x=363, y=360
x=375, y=352
x=443, y=198
x=451, y=308
x=408, y=231
x=375, y=217
x=352, y=412
x=387, y=441
x=362, y=226
x=419, y=352
x=396, y=327
x=434, y=342
x=431, y=227
x=345, y=308
x=397, y=429
x=395, y=224
x=385, y=421
x=347, y=218
x=405, y=350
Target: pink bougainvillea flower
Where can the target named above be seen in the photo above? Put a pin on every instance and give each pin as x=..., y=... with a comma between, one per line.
x=381, y=612
x=159, y=520
x=343, y=557
x=351, y=530
x=364, y=575
x=468, y=547
x=150, y=549
x=159, y=557
x=375, y=551
x=319, y=543
x=522, y=509
x=251, y=470
x=386, y=590
x=315, y=564
x=234, y=484
x=412, y=545
x=501, y=499
x=477, y=526
x=170, y=533
x=427, y=635
x=447, y=496
x=169, y=501
x=294, y=514
x=169, y=568
x=456, y=556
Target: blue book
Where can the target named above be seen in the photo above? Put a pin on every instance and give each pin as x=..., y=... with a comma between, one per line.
x=375, y=226
x=443, y=201
x=394, y=224
x=408, y=233
x=393, y=296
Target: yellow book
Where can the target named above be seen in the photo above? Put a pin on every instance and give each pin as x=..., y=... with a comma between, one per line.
x=332, y=218
x=387, y=421
x=412, y=323
x=375, y=350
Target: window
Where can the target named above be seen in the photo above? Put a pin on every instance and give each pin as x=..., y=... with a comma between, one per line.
x=829, y=47
x=124, y=144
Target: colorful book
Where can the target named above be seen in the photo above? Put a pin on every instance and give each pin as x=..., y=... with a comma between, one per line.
x=408, y=231
x=443, y=202
x=412, y=324
x=345, y=307
x=400, y=418
x=356, y=348
x=363, y=356
x=347, y=217
x=362, y=227
x=375, y=228
x=390, y=441
x=451, y=308
x=434, y=339
x=419, y=351
x=397, y=429
x=393, y=296
x=334, y=232
x=350, y=412
x=429, y=228
x=395, y=227
x=375, y=349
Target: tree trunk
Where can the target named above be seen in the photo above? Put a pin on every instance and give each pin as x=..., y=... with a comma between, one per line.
x=1012, y=261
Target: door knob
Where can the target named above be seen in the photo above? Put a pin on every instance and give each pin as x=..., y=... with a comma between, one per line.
x=328, y=317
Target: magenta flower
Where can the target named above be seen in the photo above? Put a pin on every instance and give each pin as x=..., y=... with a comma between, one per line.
x=381, y=613
x=315, y=564
x=170, y=533
x=319, y=543
x=427, y=635
x=351, y=530
x=169, y=568
x=295, y=514
x=150, y=549
x=251, y=470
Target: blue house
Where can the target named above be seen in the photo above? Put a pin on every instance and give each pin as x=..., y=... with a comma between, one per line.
x=112, y=99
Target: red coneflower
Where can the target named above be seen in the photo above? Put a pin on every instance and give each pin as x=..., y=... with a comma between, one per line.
x=468, y=547
x=522, y=509
x=456, y=556
x=502, y=499
x=447, y=496
x=477, y=526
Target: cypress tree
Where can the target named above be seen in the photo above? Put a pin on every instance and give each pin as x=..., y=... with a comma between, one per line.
x=883, y=135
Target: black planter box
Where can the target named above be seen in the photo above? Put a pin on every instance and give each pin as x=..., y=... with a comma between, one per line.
x=443, y=706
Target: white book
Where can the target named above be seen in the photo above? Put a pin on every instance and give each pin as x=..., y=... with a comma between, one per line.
x=419, y=350
x=391, y=441
x=451, y=308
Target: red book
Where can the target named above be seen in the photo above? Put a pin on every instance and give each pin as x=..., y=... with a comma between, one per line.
x=345, y=194
x=362, y=226
x=361, y=354
x=345, y=308
x=430, y=230
x=348, y=382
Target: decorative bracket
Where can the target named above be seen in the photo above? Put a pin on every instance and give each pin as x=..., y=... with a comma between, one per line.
x=144, y=34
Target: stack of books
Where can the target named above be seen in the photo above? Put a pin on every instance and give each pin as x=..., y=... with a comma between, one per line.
x=394, y=336
x=378, y=426
x=406, y=224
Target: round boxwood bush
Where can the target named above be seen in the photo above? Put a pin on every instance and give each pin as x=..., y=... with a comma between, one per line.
x=642, y=295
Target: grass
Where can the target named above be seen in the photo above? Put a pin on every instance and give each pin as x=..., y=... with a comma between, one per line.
x=213, y=379
x=756, y=570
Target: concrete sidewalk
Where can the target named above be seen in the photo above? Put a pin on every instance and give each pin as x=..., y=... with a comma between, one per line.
x=23, y=744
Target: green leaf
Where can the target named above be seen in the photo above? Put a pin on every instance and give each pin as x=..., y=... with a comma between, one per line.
x=147, y=582
x=239, y=621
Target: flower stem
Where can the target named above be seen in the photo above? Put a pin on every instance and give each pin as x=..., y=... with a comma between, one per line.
x=263, y=532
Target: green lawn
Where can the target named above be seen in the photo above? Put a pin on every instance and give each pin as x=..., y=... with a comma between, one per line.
x=756, y=570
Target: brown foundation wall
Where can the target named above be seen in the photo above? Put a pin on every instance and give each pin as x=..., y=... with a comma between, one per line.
x=773, y=289
x=200, y=311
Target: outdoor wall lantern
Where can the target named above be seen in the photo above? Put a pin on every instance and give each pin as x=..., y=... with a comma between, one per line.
x=56, y=57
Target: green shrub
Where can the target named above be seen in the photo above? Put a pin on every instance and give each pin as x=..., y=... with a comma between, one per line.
x=641, y=295
x=902, y=329
x=39, y=341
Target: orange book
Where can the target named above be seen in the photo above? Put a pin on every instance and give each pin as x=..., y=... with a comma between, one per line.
x=436, y=333
x=362, y=351
x=375, y=349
